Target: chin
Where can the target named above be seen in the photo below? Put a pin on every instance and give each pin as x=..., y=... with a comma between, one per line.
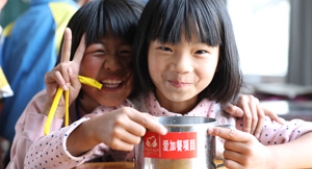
x=112, y=103
x=112, y=99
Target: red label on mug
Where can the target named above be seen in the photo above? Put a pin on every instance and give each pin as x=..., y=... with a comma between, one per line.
x=173, y=145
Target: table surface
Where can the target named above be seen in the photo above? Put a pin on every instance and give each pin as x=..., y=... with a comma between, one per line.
x=117, y=165
x=107, y=165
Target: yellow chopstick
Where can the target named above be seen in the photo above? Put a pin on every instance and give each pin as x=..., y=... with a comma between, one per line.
x=89, y=81
x=84, y=80
x=56, y=100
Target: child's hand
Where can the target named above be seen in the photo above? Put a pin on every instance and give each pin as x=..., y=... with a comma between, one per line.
x=124, y=127
x=252, y=112
x=120, y=129
x=243, y=150
x=65, y=74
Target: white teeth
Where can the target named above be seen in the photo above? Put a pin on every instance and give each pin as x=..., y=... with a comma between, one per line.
x=111, y=83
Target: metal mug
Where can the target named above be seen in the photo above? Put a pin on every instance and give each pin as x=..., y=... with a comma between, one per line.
x=187, y=145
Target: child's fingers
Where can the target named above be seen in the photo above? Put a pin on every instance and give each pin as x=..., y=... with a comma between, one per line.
x=258, y=129
x=66, y=47
x=247, y=118
x=80, y=50
x=260, y=121
x=256, y=115
x=61, y=81
x=148, y=121
x=121, y=145
x=74, y=80
x=233, y=110
x=128, y=136
x=229, y=134
x=273, y=116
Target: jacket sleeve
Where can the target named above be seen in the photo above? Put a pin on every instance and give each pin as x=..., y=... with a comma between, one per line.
x=275, y=133
x=50, y=151
x=29, y=128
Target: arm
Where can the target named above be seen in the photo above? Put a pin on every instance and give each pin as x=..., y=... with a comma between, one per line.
x=29, y=128
x=285, y=147
x=122, y=129
x=293, y=154
x=50, y=151
x=83, y=140
x=253, y=114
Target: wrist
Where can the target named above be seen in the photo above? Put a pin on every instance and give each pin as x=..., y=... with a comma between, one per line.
x=80, y=140
x=273, y=158
x=59, y=111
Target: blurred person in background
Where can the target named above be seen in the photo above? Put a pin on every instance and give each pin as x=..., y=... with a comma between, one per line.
x=5, y=91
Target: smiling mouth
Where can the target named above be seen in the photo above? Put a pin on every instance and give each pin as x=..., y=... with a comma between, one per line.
x=111, y=83
x=178, y=84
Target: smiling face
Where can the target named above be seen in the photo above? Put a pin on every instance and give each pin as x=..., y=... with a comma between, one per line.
x=180, y=72
x=109, y=63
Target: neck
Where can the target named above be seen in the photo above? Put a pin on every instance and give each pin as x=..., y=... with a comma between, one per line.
x=86, y=104
x=181, y=107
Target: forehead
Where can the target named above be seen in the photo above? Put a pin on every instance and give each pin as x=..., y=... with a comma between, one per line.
x=110, y=38
x=168, y=20
x=192, y=36
x=189, y=29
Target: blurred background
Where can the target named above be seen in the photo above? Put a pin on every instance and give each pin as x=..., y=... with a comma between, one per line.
x=12, y=10
x=274, y=39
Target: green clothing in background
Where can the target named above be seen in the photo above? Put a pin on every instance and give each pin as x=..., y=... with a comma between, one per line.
x=12, y=10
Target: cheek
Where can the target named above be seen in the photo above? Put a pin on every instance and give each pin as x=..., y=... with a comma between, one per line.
x=128, y=89
x=129, y=81
x=153, y=66
x=206, y=70
x=151, y=59
x=90, y=66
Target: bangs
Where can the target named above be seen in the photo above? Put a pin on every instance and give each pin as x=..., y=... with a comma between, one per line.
x=185, y=18
x=99, y=18
x=112, y=17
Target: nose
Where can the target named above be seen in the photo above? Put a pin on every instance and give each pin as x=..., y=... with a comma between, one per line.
x=182, y=62
x=112, y=64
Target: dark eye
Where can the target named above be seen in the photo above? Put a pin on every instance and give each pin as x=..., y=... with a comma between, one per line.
x=96, y=49
x=98, y=53
x=126, y=53
x=201, y=52
x=164, y=48
x=125, y=56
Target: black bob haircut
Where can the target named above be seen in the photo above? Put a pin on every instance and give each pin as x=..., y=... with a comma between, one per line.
x=97, y=18
x=209, y=21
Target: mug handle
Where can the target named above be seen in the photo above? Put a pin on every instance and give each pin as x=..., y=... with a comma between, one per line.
x=216, y=162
